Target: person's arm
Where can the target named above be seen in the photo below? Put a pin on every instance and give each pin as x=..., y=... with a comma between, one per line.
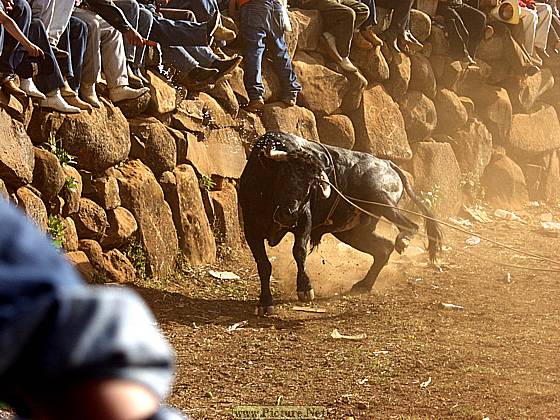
x=12, y=28
x=115, y=17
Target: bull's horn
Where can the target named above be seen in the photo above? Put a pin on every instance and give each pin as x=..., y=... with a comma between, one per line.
x=276, y=154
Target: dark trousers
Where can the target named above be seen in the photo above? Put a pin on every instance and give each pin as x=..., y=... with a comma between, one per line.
x=261, y=21
x=465, y=27
x=13, y=52
x=202, y=9
x=178, y=33
x=401, y=13
x=340, y=18
x=50, y=77
x=74, y=42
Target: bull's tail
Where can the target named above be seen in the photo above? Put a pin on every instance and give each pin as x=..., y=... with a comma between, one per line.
x=433, y=230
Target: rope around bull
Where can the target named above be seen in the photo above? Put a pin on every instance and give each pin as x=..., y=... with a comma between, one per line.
x=350, y=200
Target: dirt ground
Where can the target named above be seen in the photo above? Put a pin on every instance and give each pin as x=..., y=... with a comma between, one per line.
x=498, y=357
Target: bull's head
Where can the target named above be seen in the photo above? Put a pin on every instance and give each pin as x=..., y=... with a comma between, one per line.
x=297, y=180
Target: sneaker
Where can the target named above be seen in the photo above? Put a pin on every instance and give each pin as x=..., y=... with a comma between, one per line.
x=125, y=93
x=10, y=86
x=30, y=89
x=202, y=74
x=88, y=94
x=255, y=105
x=225, y=67
x=348, y=66
x=56, y=102
x=133, y=80
x=74, y=100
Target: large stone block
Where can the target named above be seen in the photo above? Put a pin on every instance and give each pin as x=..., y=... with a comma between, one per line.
x=336, y=130
x=48, y=175
x=493, y=107
x=505, y=183
x=525, y=91
x=99, y=139
x=226, y=213
x=33, y=206
x=121, y=227
x=182, y=192
x=322, y=89
x=451, y=110
x=379, y=126
x=435, y=170
x=473, y=148
x=17, y=158
x=372, y=63
x=420, y=24
x=399, y=76
x=153, y=144
x=419, y=114
x=224, y=94
x=214, y=115
x=163, y=97
x=143, y=196
x=91, y=220
x=535, y=133
x=73, y=190
x=310, y=28
x=224, y=151
x=294, y=119
x=422, y=76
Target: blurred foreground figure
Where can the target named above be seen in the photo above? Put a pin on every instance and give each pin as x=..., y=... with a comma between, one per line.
x=70, y=351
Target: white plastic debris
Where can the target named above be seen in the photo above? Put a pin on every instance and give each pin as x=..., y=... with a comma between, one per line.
x=473, y=240
x=461, y=222
x=426, y=383
x=223, y=275
x=551, y=228
x=507, y=215
x=236, y=326
x=336, y=335
x=451, y=306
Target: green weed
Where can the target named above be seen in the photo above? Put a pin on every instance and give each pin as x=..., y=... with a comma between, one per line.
x=56, y=230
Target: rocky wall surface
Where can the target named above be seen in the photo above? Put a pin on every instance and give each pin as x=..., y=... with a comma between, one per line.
x=129, y=188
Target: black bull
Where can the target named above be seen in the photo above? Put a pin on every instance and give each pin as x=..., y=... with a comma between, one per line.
x=283, y=189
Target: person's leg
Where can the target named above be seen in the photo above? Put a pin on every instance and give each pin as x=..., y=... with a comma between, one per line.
x=527, y=29
x=515, y=54
x=360, y=9
x=338, y=20
x=475, y=22
x=179, y=33
x=92, y=57
x=131, y=11
x=282, y=63
x=113, y=56
x=457, y=34
x=544, y=13
x=60, y=19
x=12, y=52
x=43, y=10
x=203, y=9
x=145, y=21
x=78, y=43
x=401, y=13
x=253, y=17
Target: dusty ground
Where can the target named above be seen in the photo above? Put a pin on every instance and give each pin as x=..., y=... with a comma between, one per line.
x=496, y=358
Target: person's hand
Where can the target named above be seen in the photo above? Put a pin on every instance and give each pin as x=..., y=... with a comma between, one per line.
x=133, y=38
x=34, y=51
x=8, y=5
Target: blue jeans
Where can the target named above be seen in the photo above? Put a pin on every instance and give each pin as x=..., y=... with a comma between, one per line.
x=260, y=20
x=178, y=33
x=185, y=59
x=141, y=19
x=202, y=9
x=49, y=71
x=74, y=41
x=13, y=52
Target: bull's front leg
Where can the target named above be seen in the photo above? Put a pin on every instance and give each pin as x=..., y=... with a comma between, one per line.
x=301, y=242
x=266, y=302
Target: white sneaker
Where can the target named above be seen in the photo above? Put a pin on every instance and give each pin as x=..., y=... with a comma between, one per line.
x=57, y=103
x=348, y=66
x=124, y=93
x=88, y=94
x=29, y=87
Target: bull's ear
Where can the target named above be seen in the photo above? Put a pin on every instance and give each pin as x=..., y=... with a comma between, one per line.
x=325, y=185
x=275, y=154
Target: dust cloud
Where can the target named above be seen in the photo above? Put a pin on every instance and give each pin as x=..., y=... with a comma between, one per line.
x=334, y=267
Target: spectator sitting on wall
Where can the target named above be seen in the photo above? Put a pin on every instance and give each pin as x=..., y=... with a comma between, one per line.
x=533, y=30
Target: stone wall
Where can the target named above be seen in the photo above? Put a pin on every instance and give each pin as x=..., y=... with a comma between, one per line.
x=157, y=177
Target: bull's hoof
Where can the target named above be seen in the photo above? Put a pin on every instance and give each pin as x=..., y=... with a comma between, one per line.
x=401, y=244
x=265, y=310
x=306, y=296
x=360, y=289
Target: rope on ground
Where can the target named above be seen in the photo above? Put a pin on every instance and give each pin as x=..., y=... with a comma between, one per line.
x=350, y=200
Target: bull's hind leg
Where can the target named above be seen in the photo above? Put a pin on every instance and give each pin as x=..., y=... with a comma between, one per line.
x=364, y=239
x=407, y=228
